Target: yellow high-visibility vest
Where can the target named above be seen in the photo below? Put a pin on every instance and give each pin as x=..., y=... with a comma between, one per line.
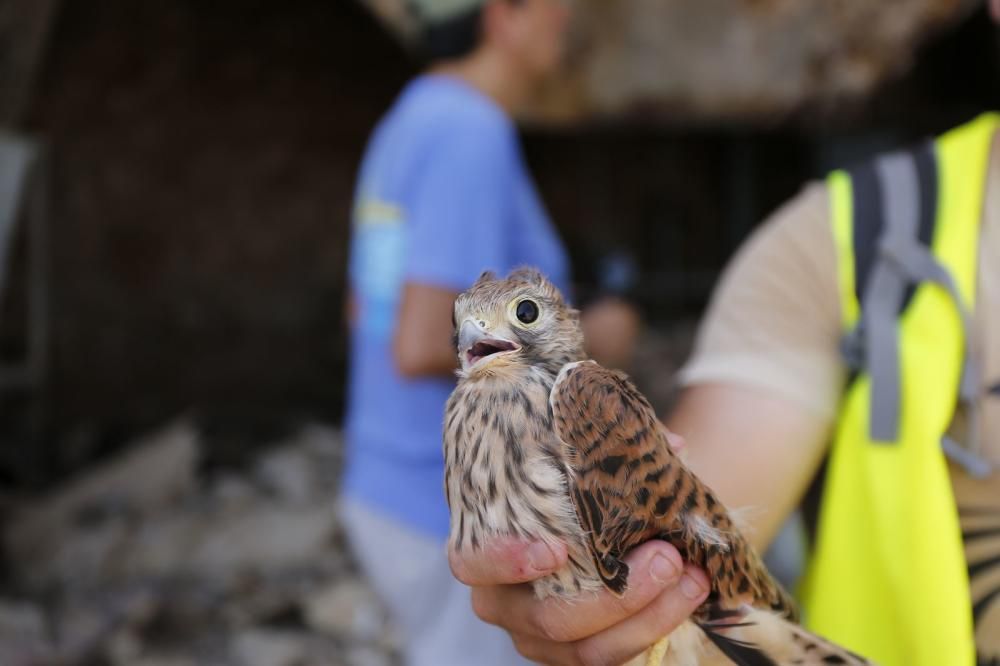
x=888, y=577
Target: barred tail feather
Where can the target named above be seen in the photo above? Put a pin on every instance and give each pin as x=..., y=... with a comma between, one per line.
x=739, y=652
x=754, y=637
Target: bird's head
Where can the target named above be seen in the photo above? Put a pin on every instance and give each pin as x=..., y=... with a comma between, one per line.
x=521, y=320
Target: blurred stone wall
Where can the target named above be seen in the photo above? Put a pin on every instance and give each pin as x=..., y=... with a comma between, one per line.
x=742, y=60
x=731, y=60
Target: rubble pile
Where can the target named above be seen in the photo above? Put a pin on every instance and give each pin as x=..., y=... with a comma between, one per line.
x=175, y=554
x=146, y=562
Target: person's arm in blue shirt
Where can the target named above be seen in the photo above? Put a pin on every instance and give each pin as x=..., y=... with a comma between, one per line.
x=457, y=219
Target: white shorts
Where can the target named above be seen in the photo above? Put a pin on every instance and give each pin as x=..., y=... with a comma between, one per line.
x=431, y=609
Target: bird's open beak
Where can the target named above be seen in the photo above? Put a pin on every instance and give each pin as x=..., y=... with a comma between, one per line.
x=475, y=344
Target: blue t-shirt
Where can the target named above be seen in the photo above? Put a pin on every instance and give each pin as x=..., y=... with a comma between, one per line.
x=443, y=195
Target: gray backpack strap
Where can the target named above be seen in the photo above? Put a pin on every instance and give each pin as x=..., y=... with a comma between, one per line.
x=896, y=200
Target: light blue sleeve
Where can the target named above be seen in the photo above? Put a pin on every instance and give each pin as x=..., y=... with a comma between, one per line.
x=458, y=210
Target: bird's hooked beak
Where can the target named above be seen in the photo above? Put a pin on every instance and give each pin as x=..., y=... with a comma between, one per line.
x=475, y=343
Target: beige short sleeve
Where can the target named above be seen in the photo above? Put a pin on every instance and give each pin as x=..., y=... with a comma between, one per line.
x=774, y=319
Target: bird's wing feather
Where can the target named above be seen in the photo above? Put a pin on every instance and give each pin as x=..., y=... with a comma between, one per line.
x=629, y=486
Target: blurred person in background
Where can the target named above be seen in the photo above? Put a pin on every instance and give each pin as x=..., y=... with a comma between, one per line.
x=443, y=194
x=855, y=341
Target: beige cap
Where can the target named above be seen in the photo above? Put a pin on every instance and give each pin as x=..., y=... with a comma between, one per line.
x=436, y=11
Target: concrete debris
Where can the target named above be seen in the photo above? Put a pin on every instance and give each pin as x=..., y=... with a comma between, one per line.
x=263, y=538
x=287, y=473
x=124, y=647
x=367, y=656
x=233, y=492
x=21, y=619
x=144, y=479
x=24, y=634
x=305, y=468
x=346, y=608
x=141, y=562
x=262, y=647
x=154, y=660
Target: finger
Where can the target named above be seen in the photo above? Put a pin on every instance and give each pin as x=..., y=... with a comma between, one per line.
x=504, y=560
x=653, y=566
x=658, y=619
x=628, y=638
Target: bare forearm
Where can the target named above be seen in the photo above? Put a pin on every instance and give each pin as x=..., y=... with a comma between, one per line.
x=422, y=346
x=756, y=450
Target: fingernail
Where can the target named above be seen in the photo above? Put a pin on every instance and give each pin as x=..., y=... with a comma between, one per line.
x=691, y=588
x=662, y=570
x=541, y=557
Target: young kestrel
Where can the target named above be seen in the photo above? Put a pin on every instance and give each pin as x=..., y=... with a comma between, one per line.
x=544, y=444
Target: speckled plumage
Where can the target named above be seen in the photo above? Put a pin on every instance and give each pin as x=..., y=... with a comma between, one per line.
x=541, y=443
x=503, y=462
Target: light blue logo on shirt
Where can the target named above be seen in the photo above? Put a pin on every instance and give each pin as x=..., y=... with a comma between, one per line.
x=380, y=260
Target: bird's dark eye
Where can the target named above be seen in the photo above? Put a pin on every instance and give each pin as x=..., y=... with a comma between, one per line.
x=527, y=312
